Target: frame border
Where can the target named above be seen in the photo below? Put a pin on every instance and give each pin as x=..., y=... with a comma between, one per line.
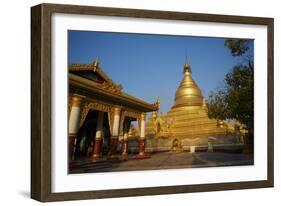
x=41, y=101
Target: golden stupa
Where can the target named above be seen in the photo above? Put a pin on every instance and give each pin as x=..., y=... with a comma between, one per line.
x=187, y=123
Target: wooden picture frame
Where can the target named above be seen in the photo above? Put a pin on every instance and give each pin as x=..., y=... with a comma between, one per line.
x=41, y=101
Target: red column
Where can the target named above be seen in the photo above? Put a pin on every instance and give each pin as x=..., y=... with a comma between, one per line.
x=113, y=147
x=98, y=137
x=142, y=136
x=115, y=134
x=125, y=140
x=141, y=147
x=73, y=122
x=97, y=149
x=124, y=149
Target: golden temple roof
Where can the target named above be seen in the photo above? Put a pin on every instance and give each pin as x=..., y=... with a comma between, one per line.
x=106, y=88
x=188, y=93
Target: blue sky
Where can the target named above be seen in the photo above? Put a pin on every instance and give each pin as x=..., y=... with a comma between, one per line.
x=149, y=66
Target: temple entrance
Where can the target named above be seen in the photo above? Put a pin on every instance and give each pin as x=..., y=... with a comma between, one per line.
x=106, y=135
x=176, y=145
x=87, y=134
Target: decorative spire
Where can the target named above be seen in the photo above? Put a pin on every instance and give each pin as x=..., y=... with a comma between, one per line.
x=96, y=62
x=186, y=67
x=157, y=103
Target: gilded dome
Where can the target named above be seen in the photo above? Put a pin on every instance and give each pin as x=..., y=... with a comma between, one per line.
x=188, y=93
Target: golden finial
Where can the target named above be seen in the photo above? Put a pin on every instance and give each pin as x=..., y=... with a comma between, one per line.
x=158, y=102
x=186, y=66
x=96, y=63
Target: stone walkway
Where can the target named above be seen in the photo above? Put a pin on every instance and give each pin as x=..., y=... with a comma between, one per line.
x=164, y=160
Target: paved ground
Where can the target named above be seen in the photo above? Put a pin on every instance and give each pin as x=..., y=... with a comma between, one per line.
x=164, y=160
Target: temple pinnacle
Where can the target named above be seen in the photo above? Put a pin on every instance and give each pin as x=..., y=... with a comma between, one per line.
x=96, y=62
x=186, y=67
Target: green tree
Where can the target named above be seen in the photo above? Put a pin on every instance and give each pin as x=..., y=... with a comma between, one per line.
x=237, y=47
x=235, y=98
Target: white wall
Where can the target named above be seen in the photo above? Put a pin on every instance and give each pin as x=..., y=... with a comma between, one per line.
x=15, y=102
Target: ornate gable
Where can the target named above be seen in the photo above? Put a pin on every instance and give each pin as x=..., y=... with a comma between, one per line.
x=94, y=73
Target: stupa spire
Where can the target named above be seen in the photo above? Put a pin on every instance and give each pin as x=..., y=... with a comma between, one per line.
x=186, y=67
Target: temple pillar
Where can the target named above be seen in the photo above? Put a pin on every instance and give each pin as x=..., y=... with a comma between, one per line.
x=142, y=136
x=115, y=133
x=73, y=124
x=125, y=140
x=98, y=137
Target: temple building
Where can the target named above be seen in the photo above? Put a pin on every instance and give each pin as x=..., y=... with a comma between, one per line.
x=100, y=115
x=187, y=125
